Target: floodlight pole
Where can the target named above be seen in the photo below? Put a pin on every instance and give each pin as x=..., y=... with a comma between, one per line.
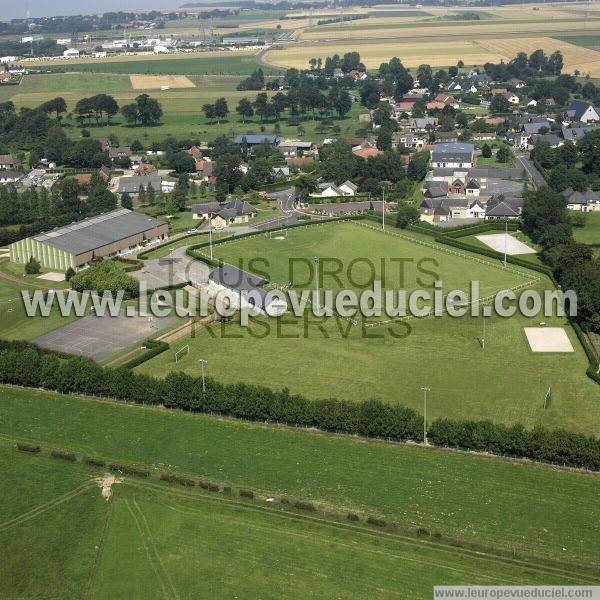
x=483, y=338
x=383, y=211
x=505, y=239
x=318, y=301
x=210, y=240
x=425, y=390
x=202, y=363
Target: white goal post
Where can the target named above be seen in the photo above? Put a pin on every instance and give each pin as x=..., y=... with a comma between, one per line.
x=182, y=352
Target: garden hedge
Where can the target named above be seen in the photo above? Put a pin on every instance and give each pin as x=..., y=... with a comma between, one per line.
x=26, y=365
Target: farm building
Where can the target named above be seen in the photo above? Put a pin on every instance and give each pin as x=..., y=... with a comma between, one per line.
x=78, y=244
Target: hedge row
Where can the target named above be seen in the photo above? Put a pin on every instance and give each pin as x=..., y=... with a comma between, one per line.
x=153, y=348
x=370, y=418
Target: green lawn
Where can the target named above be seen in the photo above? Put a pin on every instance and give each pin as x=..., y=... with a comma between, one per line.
x=50, y=528
x=590, y=232
x=587, y=41
x=330, y=357
x=531, y=509
x=149, y=540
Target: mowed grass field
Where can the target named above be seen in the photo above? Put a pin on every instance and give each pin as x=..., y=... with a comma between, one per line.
x=506, y=382
x=528, y=509
x=590, y=232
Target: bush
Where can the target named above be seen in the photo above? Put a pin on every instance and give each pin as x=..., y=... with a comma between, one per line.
x=70, y=272
x=352, y=517
x=172, y=478
x=24, y=447
x=377, y=521
x=303, y=505
x=63, y=455
x=129, y=470
x=246, y=494
x=32, y=267
x=94, y=462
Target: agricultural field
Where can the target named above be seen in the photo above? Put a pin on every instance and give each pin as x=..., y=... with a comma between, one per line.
x=201, y=63
x=590, y=232
x=320, y=358
x=183, y=117
x=182, y=543
x=469, y=498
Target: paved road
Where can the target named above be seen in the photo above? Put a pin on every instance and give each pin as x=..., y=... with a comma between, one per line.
x=532, y=172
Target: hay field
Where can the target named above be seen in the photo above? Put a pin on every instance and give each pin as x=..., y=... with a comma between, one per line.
x=575, y=57
x=412, y=54
x=397, y=28
x=156, y=82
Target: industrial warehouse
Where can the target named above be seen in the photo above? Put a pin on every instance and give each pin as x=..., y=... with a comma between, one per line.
x=78, y=244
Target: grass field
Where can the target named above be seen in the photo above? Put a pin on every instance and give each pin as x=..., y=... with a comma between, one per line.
x=590, y=232
x=531, y=509
x=322, y=358
x=182, y=108
x=587, y=41
x=205, y=63
x=174, y=543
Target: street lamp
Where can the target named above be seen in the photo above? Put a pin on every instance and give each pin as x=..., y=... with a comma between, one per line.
x=317, y=302
x=425, y=390
x=202, y=363
x=210, y=240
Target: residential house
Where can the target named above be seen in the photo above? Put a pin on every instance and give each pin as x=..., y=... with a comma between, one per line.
x=516, y=83
x=10, y=176
x=408, y=140
x=512, y=98
x=583, y=112
x=224, y=214
x=447, y=100
x=132, y=184
x=576, y=132
x=8, y=161
x=549, y=138
x=114, y=153
x=446, y=136
x=330, y=190
x=588, y=201
x=366, y=153
x=501, y=206
x=484, y=136
x=422, y=123
x=281, y=172
x=294, y=148
x=195, y=153
x=454, y=86
x=453, y=155
x=519, y=139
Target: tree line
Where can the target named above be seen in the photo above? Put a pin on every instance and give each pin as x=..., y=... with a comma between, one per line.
x=547, y=221
x=24, y=364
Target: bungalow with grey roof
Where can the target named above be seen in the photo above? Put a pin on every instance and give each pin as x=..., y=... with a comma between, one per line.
x=582, y=111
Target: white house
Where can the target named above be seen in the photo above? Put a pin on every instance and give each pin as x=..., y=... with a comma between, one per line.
x=63, y=41
x=161, y=50
x=71, y=53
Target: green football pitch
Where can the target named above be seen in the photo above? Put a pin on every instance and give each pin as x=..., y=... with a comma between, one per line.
x=504, y=382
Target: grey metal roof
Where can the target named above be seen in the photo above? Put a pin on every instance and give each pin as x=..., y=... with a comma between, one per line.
x=236, y=279
x=90, y=234
x=257, y=139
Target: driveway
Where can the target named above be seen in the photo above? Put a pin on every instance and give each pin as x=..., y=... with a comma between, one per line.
x=532, y=172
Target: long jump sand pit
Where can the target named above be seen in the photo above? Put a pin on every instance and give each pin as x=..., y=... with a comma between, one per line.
x=548, y=339
x=157, y=82
x=500, y=241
